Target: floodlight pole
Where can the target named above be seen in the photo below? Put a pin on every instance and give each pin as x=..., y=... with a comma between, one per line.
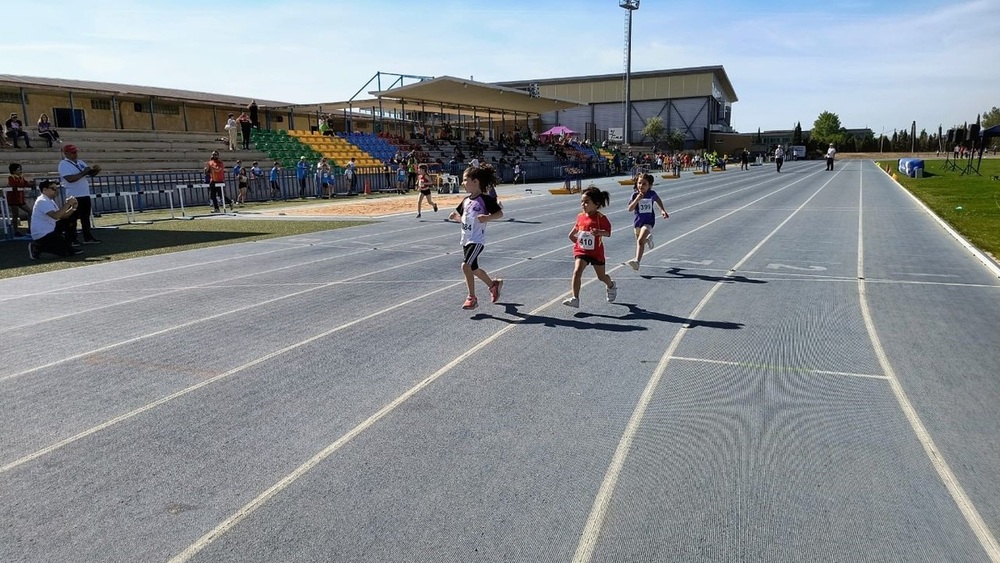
x=630, y=6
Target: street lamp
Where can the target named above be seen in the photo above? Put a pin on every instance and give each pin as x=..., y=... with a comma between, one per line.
x=630, y=6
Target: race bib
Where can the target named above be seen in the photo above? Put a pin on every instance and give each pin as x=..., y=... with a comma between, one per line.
x=586, y=240
x=645, y=206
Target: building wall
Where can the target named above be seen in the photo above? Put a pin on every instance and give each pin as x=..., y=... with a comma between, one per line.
x=100, y=110
x=690, y=115
x=648, y=88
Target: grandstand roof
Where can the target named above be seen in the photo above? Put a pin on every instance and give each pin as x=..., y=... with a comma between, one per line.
x=458, y=93
x=110, y=88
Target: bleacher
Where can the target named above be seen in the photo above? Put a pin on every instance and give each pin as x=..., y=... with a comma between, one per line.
x=130, y=152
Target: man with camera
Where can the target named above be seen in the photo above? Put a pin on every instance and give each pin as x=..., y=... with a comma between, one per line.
x=46, y=219
x=75, y=175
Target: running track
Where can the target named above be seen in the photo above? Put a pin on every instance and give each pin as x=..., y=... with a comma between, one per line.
x=804, y=368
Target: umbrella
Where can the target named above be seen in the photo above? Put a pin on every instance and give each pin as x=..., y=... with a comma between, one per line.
x=558, y=130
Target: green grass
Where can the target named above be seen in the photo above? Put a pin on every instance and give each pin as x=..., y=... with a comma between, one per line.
x=160, y=237
x=969, y=203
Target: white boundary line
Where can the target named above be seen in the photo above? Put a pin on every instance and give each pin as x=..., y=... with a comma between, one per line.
x=934, y=455
x=598, y=512
x=986, y=261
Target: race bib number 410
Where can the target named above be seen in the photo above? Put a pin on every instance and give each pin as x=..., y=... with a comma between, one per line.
x=586, y=240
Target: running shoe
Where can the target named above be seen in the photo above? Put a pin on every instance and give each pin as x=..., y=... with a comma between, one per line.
x=612, y=292
x=435, y=206
x=572, y=302
x=418, y=215
x=634, y=264
x=495, y=290
x=32, y=251
x=470, y=302
x=649, y=241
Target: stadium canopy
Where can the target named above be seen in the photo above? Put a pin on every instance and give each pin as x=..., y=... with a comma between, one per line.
x=449, y=95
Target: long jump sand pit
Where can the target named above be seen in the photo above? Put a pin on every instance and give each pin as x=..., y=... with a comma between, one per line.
x=361, y=206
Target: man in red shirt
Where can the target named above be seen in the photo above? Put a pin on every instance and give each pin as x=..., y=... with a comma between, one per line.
x=215, y=173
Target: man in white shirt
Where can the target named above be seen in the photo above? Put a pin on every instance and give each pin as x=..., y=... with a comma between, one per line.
x=232, y=127
x=75, y=176
x=45, y=217
x=830, y=154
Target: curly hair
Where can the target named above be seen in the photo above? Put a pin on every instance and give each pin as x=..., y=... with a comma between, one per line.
x=486, y=175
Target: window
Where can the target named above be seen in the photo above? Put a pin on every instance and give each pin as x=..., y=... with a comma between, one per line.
x=100, y=104
x=162, y=109
x=12, y=97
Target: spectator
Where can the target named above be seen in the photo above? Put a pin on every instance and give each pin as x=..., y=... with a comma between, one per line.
x=15, y=197
x=232, y=127
x=831, y=153
x=323, y=178
x=46, y=131
x=273, y=180
x=242, y=185
x=254, y=116
x=351, y=172
x=15, y=131
x=301, y=173
x=256, y=175
x=215, y=171
x=245, y=126
x=46, y=216
x=75, y=176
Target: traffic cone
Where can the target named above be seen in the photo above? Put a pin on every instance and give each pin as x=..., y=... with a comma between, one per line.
x=368, y=188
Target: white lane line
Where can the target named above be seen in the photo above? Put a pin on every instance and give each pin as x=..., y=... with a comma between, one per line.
x=978, y=254
x=775, y=367
x=936, y=457
x=206, y=285
x=326, y=452
x=254, y=362
x=598, y=512
x=261, y=303
x=380, y=235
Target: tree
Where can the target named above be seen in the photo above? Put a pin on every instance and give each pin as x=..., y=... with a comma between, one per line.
x=797, y=134
x=991, y=117
x=675, y=140
x=827, y=129
x=654, y=129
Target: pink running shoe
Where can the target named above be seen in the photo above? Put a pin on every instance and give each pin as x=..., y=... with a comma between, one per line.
x=495, y=290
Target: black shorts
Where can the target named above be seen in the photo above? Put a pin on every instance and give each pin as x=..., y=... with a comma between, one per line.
x=425, y=192
x=471, y=254
x=591, y=260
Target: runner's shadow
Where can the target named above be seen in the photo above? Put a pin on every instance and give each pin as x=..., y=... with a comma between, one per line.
x=679, y=273
x=523, y=222
x=553, y=322
x=636, y=313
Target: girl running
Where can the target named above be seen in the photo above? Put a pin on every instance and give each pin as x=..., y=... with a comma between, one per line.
x=588, y=248
x=424, y=185
x=641, y=204
x=474, y=211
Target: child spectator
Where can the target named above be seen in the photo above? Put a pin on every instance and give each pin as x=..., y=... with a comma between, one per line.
x=16, y=201
x=473, y=212
x=242, y=185
x=588, y=247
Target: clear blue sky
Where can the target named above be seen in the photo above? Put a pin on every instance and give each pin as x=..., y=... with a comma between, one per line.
x=878, y=64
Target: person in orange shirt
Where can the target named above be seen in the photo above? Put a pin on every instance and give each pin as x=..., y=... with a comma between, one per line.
x=19, y=208
x=215, y=173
